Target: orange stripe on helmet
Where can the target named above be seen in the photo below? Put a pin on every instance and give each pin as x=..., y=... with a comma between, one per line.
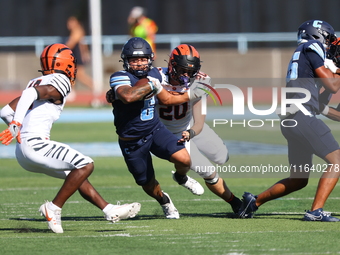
x=186, y=49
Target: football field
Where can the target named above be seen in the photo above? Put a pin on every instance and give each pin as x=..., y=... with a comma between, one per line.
x=206, y=224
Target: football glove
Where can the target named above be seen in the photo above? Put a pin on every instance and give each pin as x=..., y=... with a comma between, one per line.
x=187, y=135
x=13, y=131
x=330, y=65
x=157, y=86
x=197, y=90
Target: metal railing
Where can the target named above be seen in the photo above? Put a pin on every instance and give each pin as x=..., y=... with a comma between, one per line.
x=108, y=41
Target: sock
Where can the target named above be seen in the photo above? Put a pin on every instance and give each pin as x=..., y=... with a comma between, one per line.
x=234, y=200
x=53, y=207
x=181, y=179
x=164, y=200
x=107, y=208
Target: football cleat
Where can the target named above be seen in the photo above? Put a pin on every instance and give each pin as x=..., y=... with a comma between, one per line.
x=121, y=212
x=237, y=205
x=169, y=209
x=191, y=184
x=319, y=215
x=53, y=218
x=248, y=206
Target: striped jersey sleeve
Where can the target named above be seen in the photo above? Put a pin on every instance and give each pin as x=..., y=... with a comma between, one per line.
x=61, y=82
x=120, y=79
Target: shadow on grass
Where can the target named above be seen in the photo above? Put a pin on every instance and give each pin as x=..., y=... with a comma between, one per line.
x=277, y=216
x=157, y=216
x=91, y=218
x=26, y=230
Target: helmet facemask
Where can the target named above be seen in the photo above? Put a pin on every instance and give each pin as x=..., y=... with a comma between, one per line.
x=137, y=47
x=333, y=52
x=140, y=71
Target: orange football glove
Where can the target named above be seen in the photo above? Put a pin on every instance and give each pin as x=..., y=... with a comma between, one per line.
x=13, y=131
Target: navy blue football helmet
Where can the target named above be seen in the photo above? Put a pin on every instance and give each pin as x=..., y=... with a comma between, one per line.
x=137, y=47
x=316, y=30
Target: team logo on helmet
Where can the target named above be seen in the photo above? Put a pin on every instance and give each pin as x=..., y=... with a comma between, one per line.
x=316, y=30
x=58, y=58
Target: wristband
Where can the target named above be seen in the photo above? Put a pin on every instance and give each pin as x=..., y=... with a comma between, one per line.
x=192, y=133
x=151, y=85
x=325, y=110
x=7, y=114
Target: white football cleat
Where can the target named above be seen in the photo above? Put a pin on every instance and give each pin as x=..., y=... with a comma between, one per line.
x=169, y=209
x=53, y=218
x=191, y=184
x=121, y=212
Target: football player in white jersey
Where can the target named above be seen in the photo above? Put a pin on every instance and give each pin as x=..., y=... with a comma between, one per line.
x=30, y=118
x=187, y=122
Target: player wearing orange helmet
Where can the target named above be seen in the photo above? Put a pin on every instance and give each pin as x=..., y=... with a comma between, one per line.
x=58, y=58
x=188, y=124
x=30, y=118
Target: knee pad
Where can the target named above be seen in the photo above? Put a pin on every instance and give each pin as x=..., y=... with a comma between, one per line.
x=213, y=180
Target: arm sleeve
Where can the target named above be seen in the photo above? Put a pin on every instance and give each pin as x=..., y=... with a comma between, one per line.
x=27, y=98
x=7, y=114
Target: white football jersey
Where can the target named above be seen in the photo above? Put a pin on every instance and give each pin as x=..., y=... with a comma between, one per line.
x=43, y=113
x=176, y=118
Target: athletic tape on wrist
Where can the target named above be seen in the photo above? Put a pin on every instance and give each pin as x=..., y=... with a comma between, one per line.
x=325, y=110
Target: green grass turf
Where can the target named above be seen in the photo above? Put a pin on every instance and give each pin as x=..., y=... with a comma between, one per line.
x=206, y=225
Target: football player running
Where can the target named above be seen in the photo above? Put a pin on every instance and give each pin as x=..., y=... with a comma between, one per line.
x=139, y=129
x=306, y=134
x=188, y=123
x=30, y=118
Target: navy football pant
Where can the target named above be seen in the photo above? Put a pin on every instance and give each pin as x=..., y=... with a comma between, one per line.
x=137, y=153
x=310, y=136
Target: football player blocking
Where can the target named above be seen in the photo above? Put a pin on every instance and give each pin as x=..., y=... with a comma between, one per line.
x=188, y=124
x=139, y=129
x=182, y=73
x=30, y=118
x=311, y=135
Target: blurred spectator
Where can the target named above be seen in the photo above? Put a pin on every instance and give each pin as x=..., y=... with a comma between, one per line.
x=142, y=26
x=80, y=51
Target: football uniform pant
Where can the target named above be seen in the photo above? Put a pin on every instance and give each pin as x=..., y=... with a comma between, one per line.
x=40, y=155
x=211, y=146
x=306, y=135
x=161, y=142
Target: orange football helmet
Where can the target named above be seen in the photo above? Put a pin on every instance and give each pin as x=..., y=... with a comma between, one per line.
x=58, y=58
x=184, y=59
x=334, y=52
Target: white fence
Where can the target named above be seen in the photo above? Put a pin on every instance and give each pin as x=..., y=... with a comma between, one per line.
x=108, y=41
